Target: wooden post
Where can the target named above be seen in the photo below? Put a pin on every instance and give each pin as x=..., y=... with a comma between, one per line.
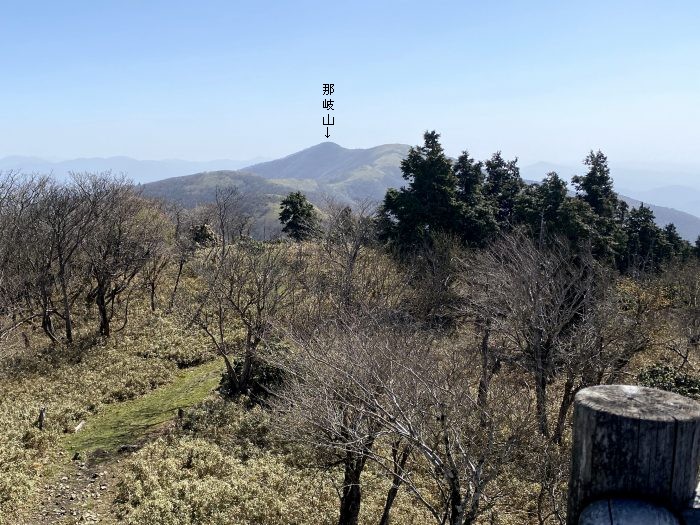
x=625, y=512
x=633, y=442
x=42, y=418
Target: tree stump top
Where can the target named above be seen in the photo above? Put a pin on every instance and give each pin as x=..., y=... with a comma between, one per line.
x=626, y=512
x=639, y=402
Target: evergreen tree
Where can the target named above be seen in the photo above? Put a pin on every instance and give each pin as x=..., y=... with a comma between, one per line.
x=470, y=179
x=478, y=220
x=547, y=209
x=595, y=188
x=540, y=205
x=644, y=241
x=697, y=247
x=428, y=204
x=503, y=184
x=298, y=216
x=674, y=244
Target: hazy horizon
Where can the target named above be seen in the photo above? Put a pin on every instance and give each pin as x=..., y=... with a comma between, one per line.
x=671, y=185
x=647, y=175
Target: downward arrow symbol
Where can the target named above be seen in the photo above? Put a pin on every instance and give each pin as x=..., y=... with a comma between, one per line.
x=327, y=134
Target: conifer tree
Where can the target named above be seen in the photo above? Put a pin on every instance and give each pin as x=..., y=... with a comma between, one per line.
x=547, y=210
x=478, y=220
x=298, y=216
x=503, y=184
x=644, y=241
x=674, y=245
x=595, y=188
x=428, y=204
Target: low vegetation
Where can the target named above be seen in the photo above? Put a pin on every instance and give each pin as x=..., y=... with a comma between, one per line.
x=415, y=363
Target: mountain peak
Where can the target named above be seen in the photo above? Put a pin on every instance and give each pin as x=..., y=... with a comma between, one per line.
x=329, y=144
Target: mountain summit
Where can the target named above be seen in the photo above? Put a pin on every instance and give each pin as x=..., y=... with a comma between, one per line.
x=347, y=174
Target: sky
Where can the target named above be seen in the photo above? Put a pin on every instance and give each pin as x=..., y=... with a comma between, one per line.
x=208, y=80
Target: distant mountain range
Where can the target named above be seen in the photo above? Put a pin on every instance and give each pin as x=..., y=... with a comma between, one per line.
x=349, y=175
x=683, y=198
x=346, y=175
x=140, y=171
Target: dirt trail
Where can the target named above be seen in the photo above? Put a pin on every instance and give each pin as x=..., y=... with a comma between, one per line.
x=84, y=488
x=82, y=492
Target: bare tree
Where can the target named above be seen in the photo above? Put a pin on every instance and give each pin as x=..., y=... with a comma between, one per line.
x=230, y=213
x=162, y=252
x=36, y=254
x=252, y=284
x=43, y=230
x=346, y=270
x=432, y=402
x=67, y=220
x=346, y=235
x=533, y=298
x=18, y=197
x=683, y=342
x=325, y=403
x=356, y=383
x=120, y=241
x=184, y=246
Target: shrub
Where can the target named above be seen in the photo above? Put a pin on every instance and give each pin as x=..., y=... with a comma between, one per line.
x=668, y=378
x=192, y=481
x=185, y=349
x=231, y=425
x=40, y=441
x=266, y=377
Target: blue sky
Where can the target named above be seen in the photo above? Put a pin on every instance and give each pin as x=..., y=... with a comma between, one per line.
x=208, y=79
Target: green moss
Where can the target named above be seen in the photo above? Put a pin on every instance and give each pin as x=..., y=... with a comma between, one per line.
x=125, y=423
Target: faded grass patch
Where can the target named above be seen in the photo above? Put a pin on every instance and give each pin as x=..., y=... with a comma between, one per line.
x=127, y=422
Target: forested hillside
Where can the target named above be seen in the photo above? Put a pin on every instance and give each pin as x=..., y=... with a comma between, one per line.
x=329, y=171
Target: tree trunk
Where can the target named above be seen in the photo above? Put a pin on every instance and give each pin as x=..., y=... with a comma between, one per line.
x=456, y=503
x=68, y=320
x=101, y=301
x=246, y=379
x=46, y=322
x=42, y=418
x=566, y=402
x=180, y=266
x=541, y=388
x=390, y=497
x=541, y=398
x=47, y=326
x=233, y=384
x=352, y=492
x=488, y=369
x=153, y=296
x=244, y=383
x=399, y=464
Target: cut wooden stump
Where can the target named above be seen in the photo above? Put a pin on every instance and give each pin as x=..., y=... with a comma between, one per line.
x=633, y=442
x=626, y=512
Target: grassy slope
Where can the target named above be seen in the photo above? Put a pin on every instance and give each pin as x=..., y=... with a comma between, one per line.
x=127, y=422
